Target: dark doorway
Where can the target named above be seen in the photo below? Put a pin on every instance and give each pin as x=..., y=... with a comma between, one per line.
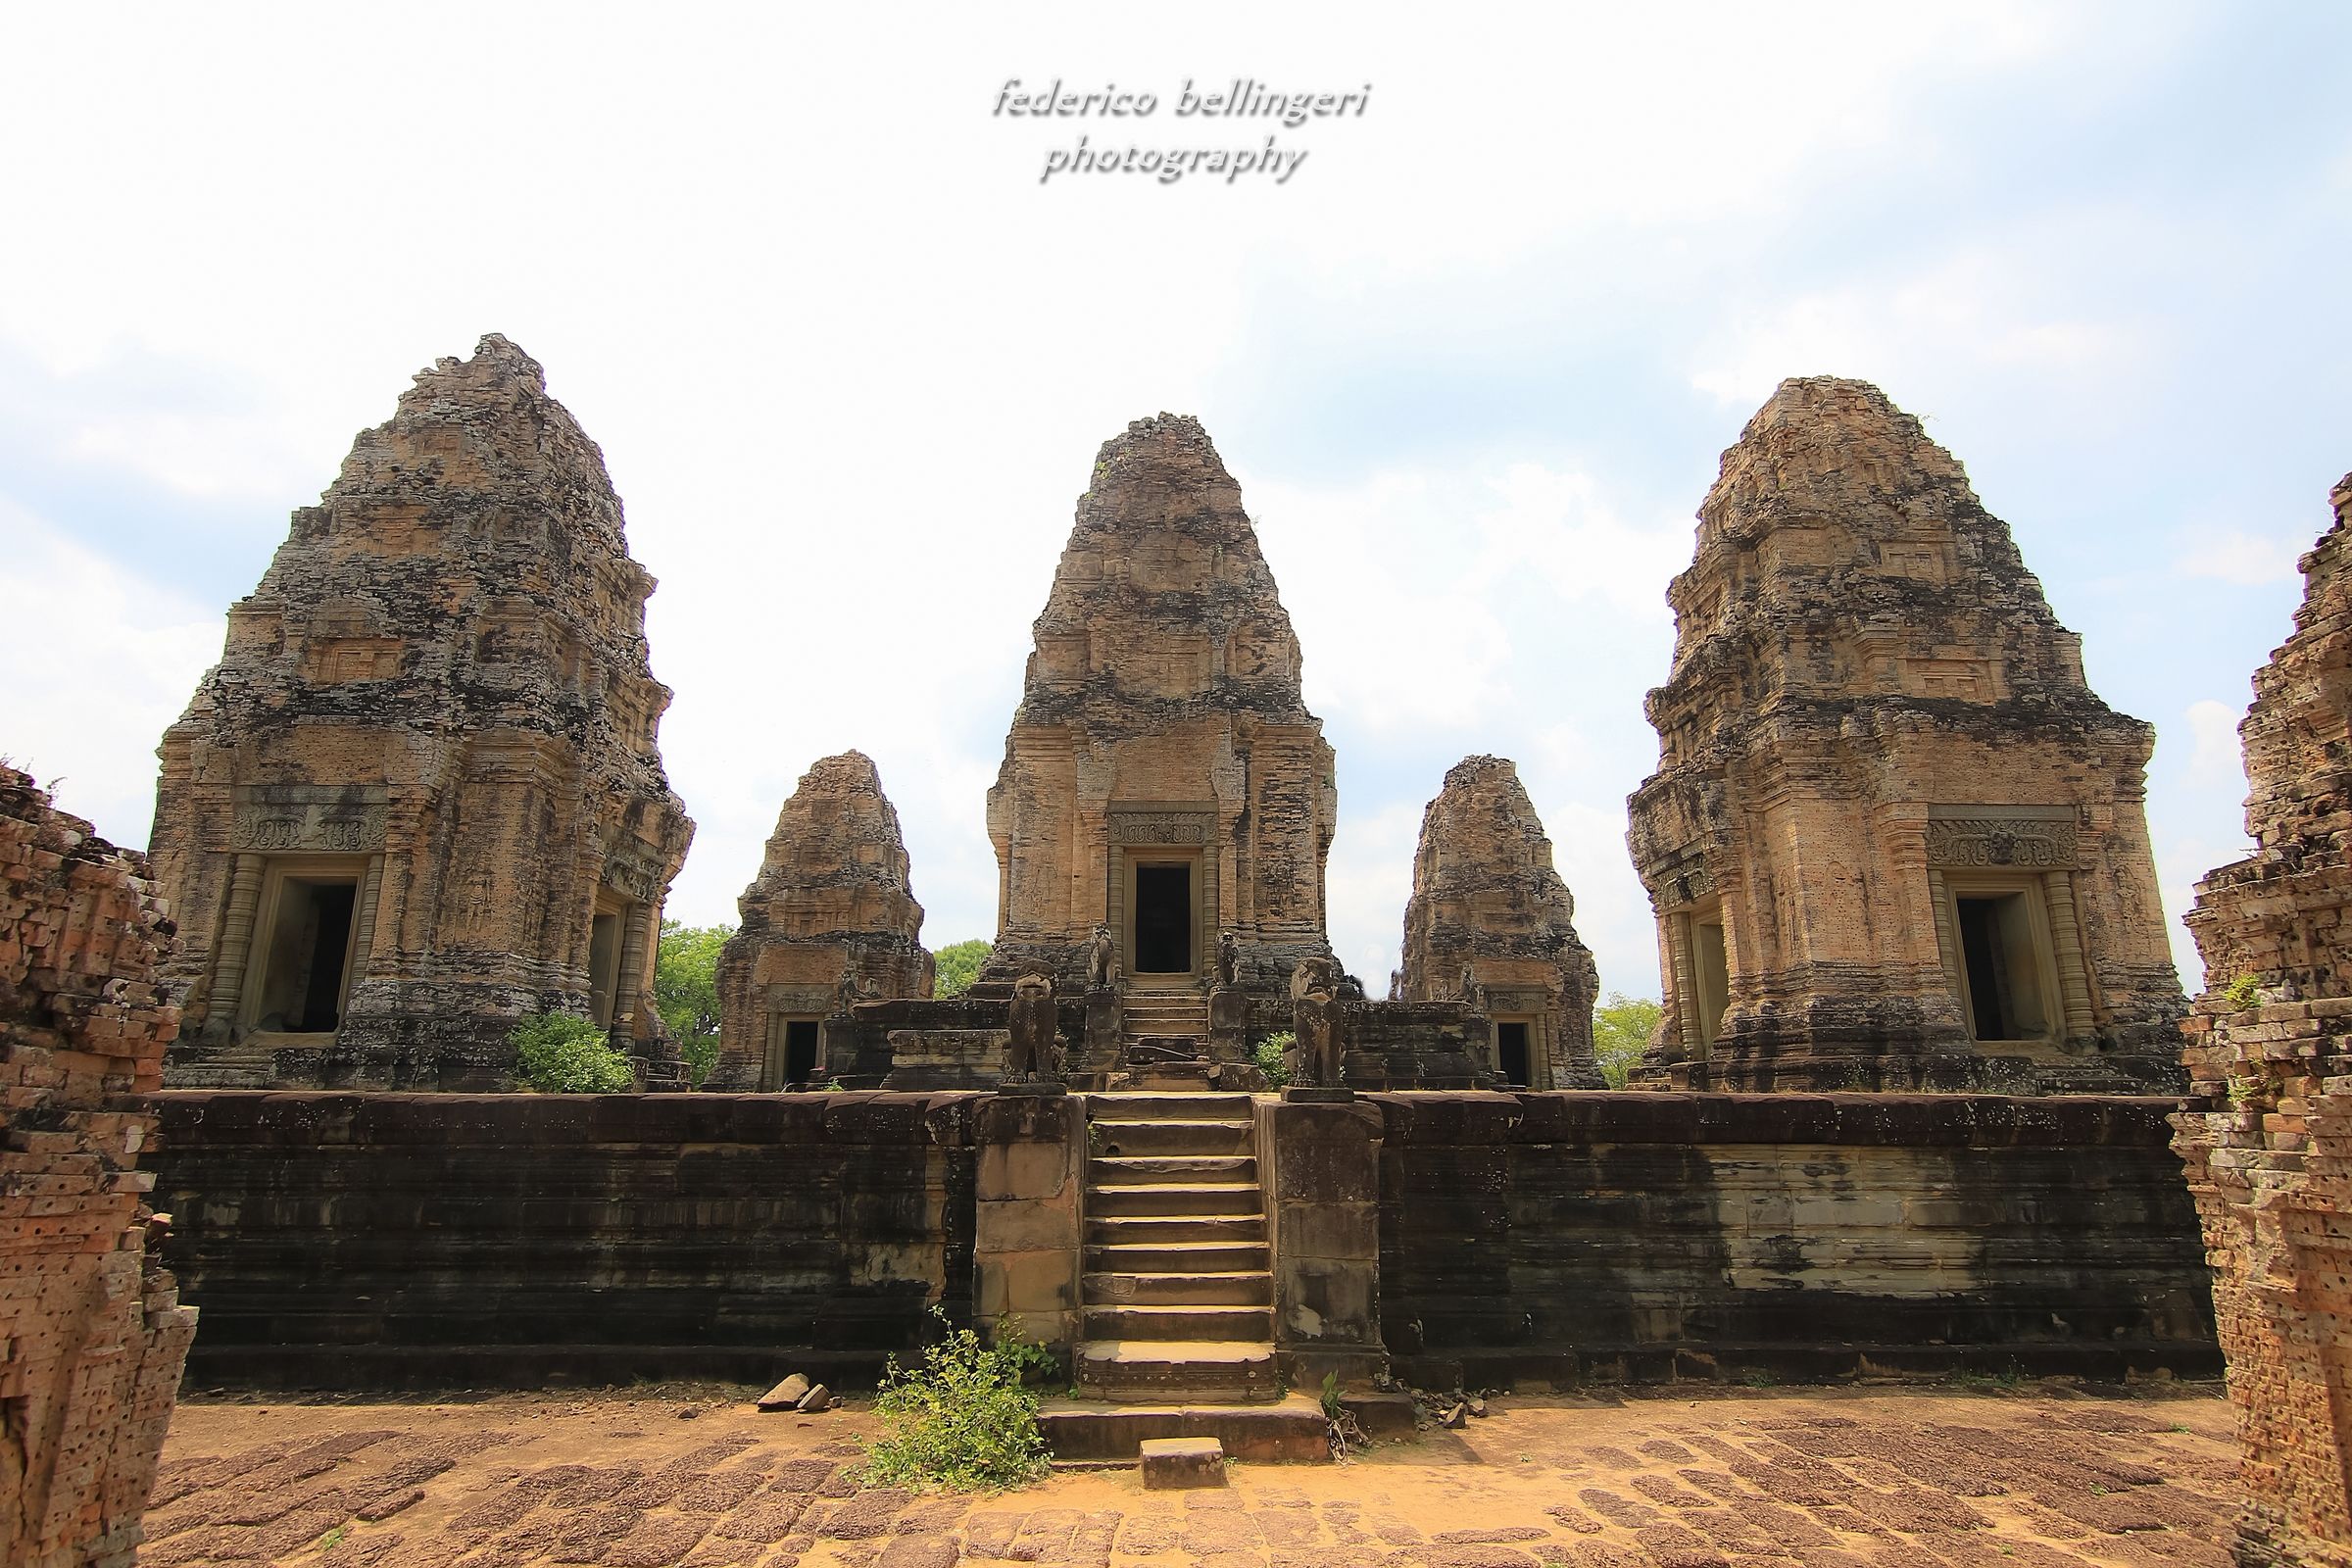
x=1997, y=952
x=322, y=998
x=1510, y=1044
x=1163, y=919
x=800, y=1051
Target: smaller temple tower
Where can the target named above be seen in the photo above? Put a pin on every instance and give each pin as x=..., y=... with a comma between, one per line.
x=420, y=794
x=1894, y=840
x=1489, y=924
x=829, y=921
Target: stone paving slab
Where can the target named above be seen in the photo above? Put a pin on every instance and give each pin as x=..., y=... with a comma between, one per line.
x=2043, y=1477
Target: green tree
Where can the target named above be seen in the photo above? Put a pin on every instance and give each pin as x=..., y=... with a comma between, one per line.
x=1620, y=1029
x=561, y=1053
x=958, y=967
x=686, y=990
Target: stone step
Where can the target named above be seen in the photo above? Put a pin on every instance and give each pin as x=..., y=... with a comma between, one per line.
x=1191, y=1199
x=1235, y=1288
x=1179, y=1257
x=1124, y=1170
x=1289, y=1430
x=1189, y=1322
x=1158, y=1229
x=1115, y=1140
x=1152, y=1107
x=1179, y=1371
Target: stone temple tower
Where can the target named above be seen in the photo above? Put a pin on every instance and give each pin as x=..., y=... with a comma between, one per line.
x=1162, y=777
x=1894, y=840
x=419, y=795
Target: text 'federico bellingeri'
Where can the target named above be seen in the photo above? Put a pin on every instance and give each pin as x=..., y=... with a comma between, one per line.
x=1244, y=98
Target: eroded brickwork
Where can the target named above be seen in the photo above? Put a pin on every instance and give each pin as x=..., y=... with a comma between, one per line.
x=1489, y=924
x=2269, y=1144
x=92, y=1334
x=829, y=921
x=1894, y=840
x=1162, y=726
x=420, y=793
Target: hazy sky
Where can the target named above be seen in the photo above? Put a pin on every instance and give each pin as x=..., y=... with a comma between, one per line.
x=1473, y=362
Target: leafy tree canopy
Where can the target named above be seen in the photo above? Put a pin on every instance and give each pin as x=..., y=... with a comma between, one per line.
x=686, y=989
x=1620, y=1029
x=958, y=967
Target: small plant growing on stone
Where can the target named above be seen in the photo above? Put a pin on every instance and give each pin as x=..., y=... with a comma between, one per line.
x=558, y=1053
x=961, y=1420
x=2243, y=992
x=1268, y=1057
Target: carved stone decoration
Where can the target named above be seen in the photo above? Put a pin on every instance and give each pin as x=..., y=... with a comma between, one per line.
x=829, y=921
x=1978, y=837
x=2270, y=1055
x=1489, y=918
x=1229, y=959
x=420, y=793
x=1878, y=756
x=1162, y=725
x=1032, y=1024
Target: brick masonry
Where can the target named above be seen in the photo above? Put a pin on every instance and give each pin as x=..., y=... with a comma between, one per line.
x=2269, y=1140
x=92, y=1334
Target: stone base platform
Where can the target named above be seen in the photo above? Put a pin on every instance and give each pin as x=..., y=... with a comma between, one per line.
x=1293, y=1431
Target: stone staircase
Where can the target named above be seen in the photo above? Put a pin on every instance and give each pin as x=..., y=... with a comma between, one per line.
x=1165, y=1014
x=1176, y=1289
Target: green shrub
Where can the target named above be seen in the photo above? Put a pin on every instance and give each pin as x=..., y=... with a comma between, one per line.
x=961, y=1420
x=2243, y=992
x=1269, y=1056
x=558, y=1053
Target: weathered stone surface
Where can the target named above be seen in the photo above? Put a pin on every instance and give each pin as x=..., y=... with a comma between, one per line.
x=1489, y=924
x=425, y=765
x=829, y=921
x=1162, y=724
x=1894, y=840
x=382, y=1240
x=92, y=1334
x=1566, y=1237
x=2270, y=1058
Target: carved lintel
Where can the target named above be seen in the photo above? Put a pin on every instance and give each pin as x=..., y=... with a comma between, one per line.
x=304, y=819
x=2029, y=838
x=1162, y=827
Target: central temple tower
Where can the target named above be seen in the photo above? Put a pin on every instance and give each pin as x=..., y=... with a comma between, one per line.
x=1163, y=779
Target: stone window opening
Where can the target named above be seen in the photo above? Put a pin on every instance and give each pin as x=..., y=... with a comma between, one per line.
x=1164, y=905
x=306, y=959
x=1710, y=973
x=1514, y=1050
x=2006, y=964
x=793, y=1056
x=604, y=933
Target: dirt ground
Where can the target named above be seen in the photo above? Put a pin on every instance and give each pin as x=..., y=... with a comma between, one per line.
x=2037, y=1477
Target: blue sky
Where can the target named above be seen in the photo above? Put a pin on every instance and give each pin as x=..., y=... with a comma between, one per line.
x=1473, y=362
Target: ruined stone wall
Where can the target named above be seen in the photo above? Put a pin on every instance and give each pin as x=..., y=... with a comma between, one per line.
x=2267, y=1139
x=373, y=1240
x=1608, y=1236
x=829, y=921
x=431, y=734
x=1878, y=756
x=1162, y=716
x=92, y=1336
x=1490, y=922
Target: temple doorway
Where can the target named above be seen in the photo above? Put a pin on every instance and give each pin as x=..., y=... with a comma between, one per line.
x=1161, y=941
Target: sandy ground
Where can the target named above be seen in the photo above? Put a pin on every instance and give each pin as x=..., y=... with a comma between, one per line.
x=2039, y=1476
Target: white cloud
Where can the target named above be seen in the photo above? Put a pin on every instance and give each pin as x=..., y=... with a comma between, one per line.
x=99, y=662
x=2215, y=758
x=2247, y=560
